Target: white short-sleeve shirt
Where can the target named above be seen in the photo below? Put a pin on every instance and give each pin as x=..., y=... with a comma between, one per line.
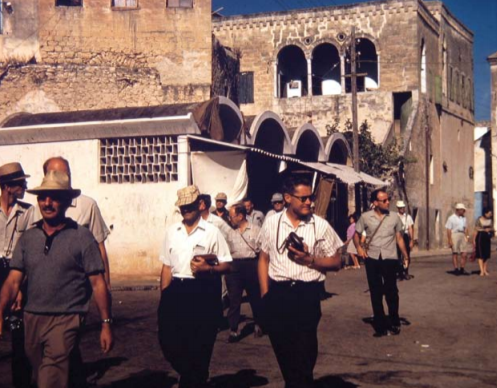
x=318, y=235
x=179, y=247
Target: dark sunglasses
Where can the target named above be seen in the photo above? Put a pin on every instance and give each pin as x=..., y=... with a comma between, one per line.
x=188, y=208
x=384, y=200
x=280, y=202
x=304, y=198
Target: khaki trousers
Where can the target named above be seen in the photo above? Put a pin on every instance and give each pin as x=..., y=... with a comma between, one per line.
x=49, y=340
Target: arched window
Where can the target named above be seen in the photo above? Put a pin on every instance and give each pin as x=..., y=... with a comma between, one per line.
x=367, y=62
x=292, y=72
x=326, y=77
x=423, y=67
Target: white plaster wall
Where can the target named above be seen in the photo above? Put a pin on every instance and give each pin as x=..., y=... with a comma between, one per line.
x=137, y=213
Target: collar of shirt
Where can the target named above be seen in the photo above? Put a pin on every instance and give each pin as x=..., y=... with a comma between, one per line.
x=201, y=225
x=16, y=210
x=287, y=220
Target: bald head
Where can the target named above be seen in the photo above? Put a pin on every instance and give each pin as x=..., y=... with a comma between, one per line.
x=57, y=163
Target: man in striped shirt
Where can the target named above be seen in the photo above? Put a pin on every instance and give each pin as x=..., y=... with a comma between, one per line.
x=291, y=281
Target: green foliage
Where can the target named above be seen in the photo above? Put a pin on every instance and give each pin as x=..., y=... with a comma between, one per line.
x=374, y=159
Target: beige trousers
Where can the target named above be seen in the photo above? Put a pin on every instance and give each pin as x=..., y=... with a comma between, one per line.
x=49, y=340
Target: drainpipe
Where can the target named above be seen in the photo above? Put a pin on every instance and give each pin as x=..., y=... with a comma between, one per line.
x=427, y=174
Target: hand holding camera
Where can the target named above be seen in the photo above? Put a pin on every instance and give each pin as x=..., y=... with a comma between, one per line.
x=298, y=251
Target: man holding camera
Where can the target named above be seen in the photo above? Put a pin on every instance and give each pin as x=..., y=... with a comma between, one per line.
x=291, y=276
x=383, y=233
x=194, y=254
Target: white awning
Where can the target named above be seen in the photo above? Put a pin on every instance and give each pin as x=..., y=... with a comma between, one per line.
x=345, y=173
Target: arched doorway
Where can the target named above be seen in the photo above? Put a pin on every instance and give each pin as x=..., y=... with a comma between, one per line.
x=326, y=76
x=367, y=62
x=268, y=133
x=292, y=72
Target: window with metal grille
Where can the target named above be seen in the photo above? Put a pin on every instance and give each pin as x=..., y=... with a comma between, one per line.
x=125, y=3
x=246, y=87
x=180, y=3
x=139, y=159
x=68, y=3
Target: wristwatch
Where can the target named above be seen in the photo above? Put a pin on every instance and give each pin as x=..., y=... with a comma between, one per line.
x=110, y=321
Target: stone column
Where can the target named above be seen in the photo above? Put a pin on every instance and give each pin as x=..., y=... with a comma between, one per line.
x=342, y=72
x=309, y=76
x=276, y=80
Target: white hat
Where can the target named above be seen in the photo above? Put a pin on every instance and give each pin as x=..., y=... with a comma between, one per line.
x=401, y=204
x=460, y=206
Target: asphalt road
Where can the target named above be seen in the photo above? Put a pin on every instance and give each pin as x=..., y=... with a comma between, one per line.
x=448, y=338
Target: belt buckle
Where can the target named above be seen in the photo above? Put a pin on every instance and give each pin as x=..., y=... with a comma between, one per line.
x=293, y=283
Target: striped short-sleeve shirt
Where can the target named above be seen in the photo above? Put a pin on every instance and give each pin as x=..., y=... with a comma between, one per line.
x=318, y=235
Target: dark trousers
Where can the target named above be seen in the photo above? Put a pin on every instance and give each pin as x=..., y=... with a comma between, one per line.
x=21, y=368
x=382, y=281
x=243, y=276
x=188, y=318
x=291, y=314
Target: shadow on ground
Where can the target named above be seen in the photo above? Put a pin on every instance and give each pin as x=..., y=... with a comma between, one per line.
x=333, y=381
x=244, y=378
x=146, y=378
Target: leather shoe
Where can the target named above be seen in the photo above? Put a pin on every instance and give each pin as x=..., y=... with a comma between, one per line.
x=395, y=330
x=380, y=333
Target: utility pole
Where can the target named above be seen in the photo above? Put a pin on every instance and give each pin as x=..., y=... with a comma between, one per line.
x=353, y=79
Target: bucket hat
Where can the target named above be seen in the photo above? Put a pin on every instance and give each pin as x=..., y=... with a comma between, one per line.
x=187, y=195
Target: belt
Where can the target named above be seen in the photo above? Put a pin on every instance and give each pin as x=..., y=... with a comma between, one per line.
x=293, y=283
x=243, y=258
x=182, y=280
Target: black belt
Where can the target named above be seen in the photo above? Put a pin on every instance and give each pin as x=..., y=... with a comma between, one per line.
x=294, y=283
x=243, y=258
x=183, y=280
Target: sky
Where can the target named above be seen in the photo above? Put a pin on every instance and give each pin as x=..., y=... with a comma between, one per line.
x=480, y=16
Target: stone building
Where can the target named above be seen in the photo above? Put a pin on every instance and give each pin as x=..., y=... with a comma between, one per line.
x=416, y=85
x=66, y=55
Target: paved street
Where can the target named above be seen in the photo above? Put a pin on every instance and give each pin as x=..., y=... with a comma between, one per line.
x=448, y=338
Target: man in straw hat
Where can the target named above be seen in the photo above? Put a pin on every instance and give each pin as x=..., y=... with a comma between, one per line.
x=457, y=236
x=194, y=254
x=15, y=218
x=408, y=236
x=63, y=264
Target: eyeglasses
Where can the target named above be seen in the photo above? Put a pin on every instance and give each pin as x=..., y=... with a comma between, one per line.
x=384, y=200
x=278, y=202
x=304, y=198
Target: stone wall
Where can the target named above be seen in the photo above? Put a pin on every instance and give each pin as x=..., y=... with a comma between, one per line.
x=56, y=88
x=96, y=56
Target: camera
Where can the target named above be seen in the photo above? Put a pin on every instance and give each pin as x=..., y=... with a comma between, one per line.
x=296, y=242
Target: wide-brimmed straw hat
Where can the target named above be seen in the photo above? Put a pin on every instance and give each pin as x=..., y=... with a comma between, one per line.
x=460, y=206
x=12, y=172
x=187, y=195
x=56, y=182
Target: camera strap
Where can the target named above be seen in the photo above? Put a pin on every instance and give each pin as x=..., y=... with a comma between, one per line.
x=281, y=248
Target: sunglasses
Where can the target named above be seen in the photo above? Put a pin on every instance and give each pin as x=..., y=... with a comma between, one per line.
x=384, y=200
x=279, y=202
x=188, y=208
x=304, y=198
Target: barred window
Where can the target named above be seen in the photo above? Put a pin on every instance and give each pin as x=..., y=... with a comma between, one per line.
x=125, y=3
x=139, y=159
x=68, y=3
x=180, y=3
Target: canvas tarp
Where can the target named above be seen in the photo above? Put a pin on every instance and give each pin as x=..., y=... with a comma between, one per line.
x=221, y=171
